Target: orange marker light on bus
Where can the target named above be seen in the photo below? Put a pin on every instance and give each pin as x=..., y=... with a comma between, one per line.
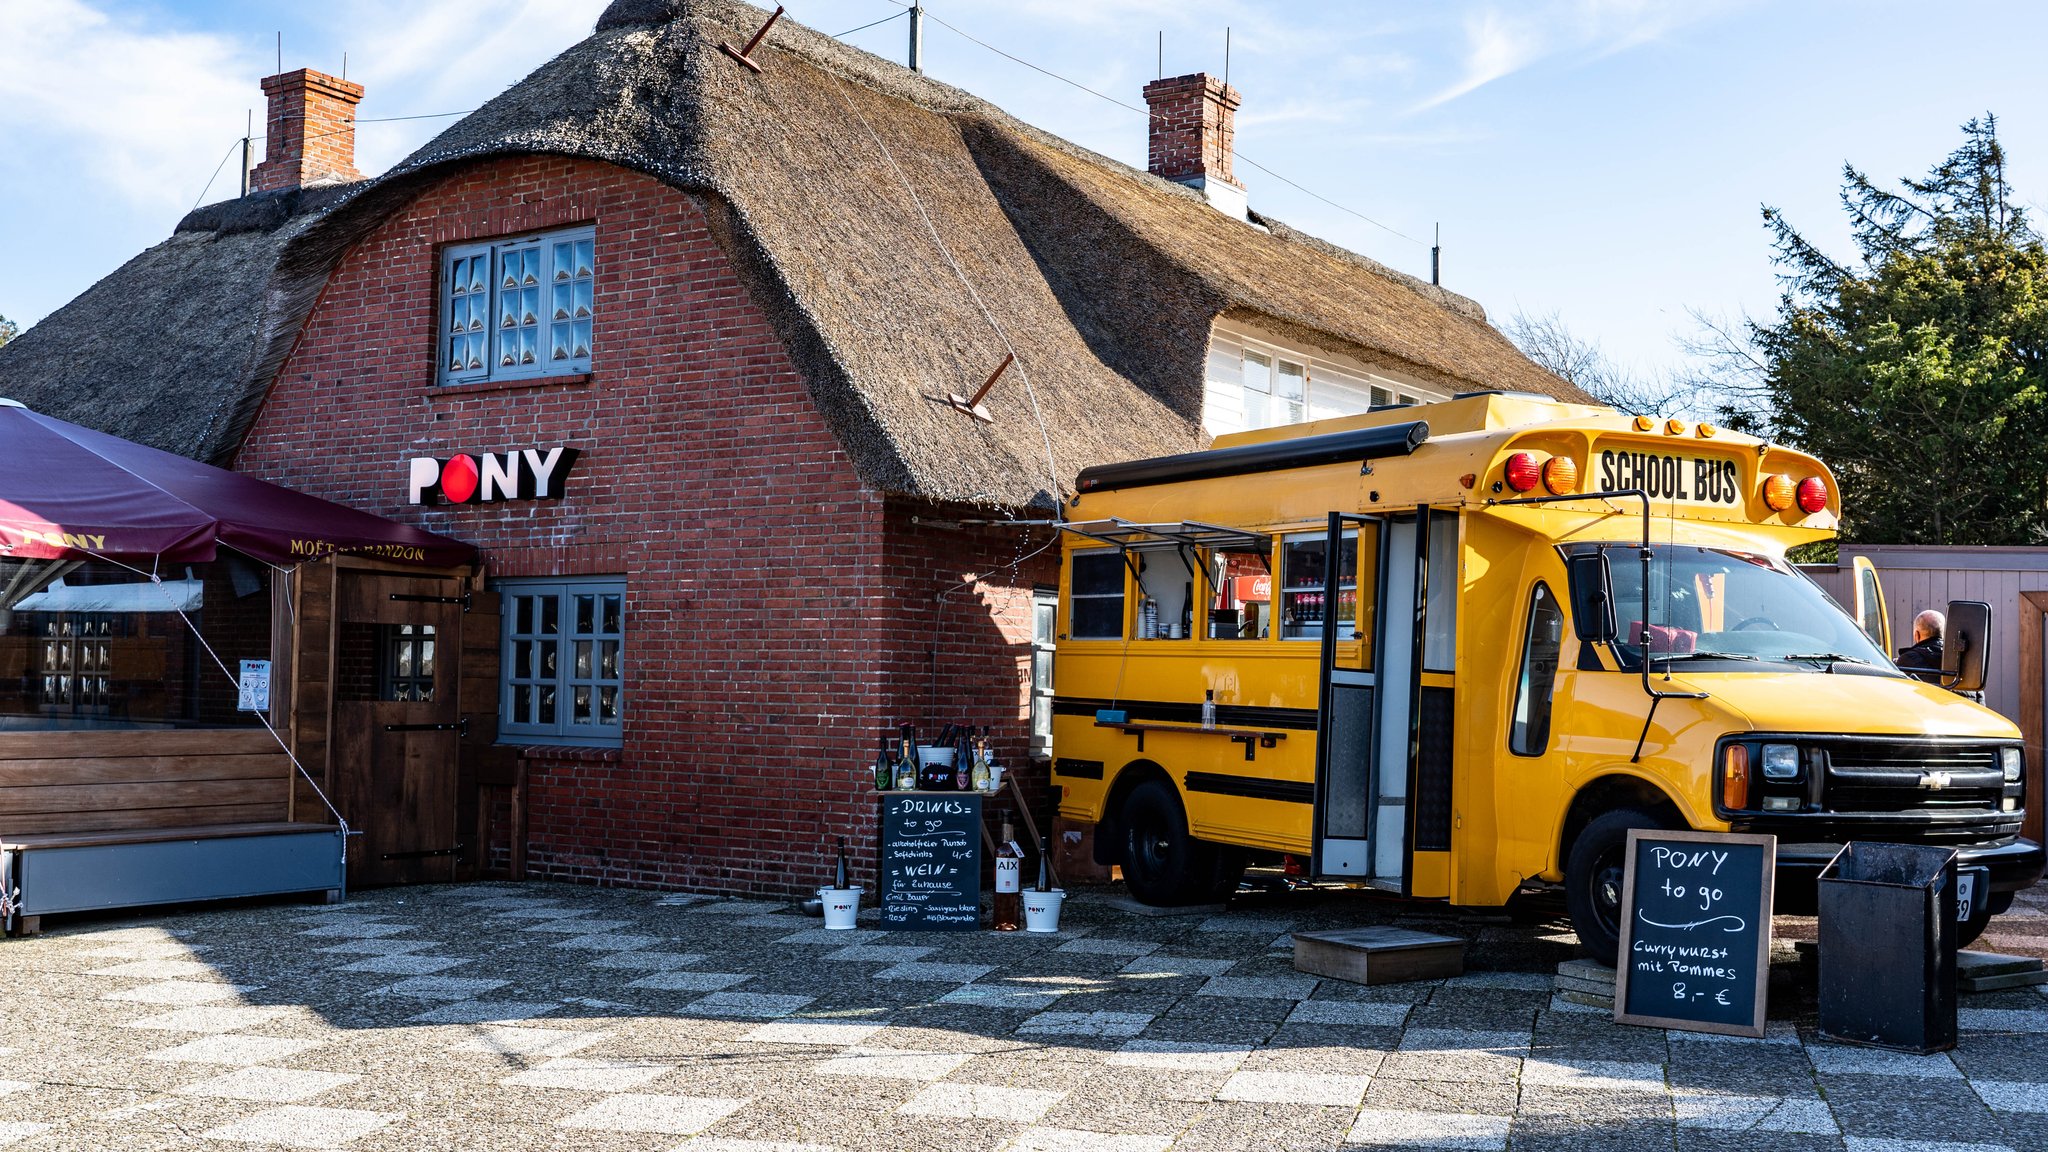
x=1735, y=777
x=1813, y=495
x=1674, y=427
x=1561, y=475
x=1778, y=494
x=1521, y=472
x=1644, y=423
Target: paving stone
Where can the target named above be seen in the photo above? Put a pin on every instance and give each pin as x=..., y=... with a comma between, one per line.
x=513, y=1040
x=235, y=1049
x=270, y=1085
x=892, y=1064
x=1840, y=1061
x=588, y=1075
x=1302, y=1088
x=679, y=981
x=1449, y=1130
x=299, y=1126
x=640, y=1112
x=648, y=961
x=982, y=1102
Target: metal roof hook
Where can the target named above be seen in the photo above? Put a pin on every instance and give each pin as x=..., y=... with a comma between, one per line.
x=746, y=55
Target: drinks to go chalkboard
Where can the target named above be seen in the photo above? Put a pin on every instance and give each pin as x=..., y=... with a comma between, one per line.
x=1009, y=882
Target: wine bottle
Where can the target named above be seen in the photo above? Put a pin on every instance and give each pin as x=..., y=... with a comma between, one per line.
x=963, y=766
x=1009, y=881
x=978, y=771
x=988, y=755
x=840, y=881
x=885, y=767
x=1044, y=864
x=906, y=760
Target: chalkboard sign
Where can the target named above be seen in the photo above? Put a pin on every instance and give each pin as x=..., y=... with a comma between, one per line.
x=931, y=861
x=1695, y=931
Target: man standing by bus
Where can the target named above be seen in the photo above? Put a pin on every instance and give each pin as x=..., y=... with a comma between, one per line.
x=1922, y=660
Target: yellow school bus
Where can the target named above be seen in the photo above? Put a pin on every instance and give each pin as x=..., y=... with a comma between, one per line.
x=1455, y=651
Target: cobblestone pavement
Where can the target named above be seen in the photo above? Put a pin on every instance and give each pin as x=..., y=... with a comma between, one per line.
x=543, y=1015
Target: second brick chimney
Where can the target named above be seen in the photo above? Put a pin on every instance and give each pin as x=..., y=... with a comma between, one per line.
x=1194, y=137
x=310, y=131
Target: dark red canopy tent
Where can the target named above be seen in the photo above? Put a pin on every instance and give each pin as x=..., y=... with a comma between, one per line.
x=69, y=493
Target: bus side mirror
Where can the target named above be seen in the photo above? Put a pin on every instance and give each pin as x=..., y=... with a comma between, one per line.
x=1592, y=598
x=1966, y=650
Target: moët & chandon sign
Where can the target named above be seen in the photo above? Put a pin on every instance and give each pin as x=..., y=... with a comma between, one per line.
x=477, y=478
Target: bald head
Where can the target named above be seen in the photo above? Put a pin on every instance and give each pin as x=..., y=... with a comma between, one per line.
x=1928, y=624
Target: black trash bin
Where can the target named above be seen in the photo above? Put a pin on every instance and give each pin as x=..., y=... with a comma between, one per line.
x=1888, y=947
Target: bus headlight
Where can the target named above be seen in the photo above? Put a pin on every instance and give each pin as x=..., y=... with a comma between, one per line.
x=1781, y=761
x=2009, y=763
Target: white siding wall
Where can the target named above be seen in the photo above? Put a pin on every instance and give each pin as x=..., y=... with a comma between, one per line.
x=1336, y=386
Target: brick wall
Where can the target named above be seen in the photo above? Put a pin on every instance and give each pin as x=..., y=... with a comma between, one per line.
x=309, y=131
x=1193, y=127
x=778, y=614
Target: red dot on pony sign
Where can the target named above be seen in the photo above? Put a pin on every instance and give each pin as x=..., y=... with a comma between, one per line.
x=458, y=479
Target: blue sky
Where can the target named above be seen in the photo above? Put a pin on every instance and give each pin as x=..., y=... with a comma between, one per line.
x=1601, y=159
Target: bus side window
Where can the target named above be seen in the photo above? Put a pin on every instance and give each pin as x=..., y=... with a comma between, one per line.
x=1096, y=595
x=1168, y=582
x=1529, y=728
x=1242, y=606
x=1302, y=610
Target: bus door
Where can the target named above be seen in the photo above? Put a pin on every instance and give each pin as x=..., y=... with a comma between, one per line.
x=1377, y=574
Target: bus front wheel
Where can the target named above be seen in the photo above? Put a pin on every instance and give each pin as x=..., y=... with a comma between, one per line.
x=1163, y=863
x=1593, y=877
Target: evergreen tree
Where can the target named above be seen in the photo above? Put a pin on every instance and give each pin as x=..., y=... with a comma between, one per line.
x=1919, y=372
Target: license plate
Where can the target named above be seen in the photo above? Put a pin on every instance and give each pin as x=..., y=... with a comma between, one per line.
x=1972, y=885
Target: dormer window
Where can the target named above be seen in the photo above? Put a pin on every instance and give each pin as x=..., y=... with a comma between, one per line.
x=1262, y=379
x=513, y=309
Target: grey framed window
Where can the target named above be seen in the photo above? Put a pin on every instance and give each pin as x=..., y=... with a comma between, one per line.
x=1529, y=726
x=518, y=308
x=1045, y=611
x=564, y=661
x=1096, y=595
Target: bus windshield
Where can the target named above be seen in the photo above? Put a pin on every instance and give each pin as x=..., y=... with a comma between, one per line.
x=1722, y=610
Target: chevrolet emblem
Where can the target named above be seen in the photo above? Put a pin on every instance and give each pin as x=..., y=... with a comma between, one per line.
x=1936, y=781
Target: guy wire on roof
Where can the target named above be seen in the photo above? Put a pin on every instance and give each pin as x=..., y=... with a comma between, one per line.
x=1052, y=477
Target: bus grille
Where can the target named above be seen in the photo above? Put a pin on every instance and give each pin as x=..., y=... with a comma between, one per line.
x=1895, y=776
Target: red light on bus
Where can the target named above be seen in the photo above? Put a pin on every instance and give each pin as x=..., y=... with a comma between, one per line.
x=1560, y=475
x=1778, y=492
x=1522, y=472
x=1813, y=495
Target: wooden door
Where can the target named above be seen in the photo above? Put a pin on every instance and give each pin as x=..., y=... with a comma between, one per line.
x=398, y=639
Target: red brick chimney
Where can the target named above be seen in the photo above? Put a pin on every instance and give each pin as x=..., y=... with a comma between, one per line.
x=311, y=131
x=1194, y=136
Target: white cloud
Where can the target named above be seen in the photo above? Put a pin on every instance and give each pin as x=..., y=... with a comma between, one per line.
x=137, y=112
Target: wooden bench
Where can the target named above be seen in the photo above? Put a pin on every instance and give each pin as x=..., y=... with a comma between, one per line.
x=103, y=819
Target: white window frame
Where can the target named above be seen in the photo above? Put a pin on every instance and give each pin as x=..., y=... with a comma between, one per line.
x=496, y=250
x=1045, y=626
x=565, y=729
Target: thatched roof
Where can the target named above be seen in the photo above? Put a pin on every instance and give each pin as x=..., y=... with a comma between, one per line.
x=163, y=351
x=1104, y=279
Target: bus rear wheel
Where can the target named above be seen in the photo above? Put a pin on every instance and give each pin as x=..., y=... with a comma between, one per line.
x=1593, y=878
x=1163, y=863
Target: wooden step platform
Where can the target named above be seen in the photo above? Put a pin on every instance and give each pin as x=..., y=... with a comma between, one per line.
x=1586, y=982
x=1380, y=954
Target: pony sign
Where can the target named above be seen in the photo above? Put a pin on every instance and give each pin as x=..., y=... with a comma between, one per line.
x=523, y=474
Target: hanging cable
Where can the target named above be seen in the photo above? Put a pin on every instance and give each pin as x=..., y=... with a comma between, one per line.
x=1146, y=112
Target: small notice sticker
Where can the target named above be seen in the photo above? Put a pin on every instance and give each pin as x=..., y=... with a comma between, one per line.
x=255, y=687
